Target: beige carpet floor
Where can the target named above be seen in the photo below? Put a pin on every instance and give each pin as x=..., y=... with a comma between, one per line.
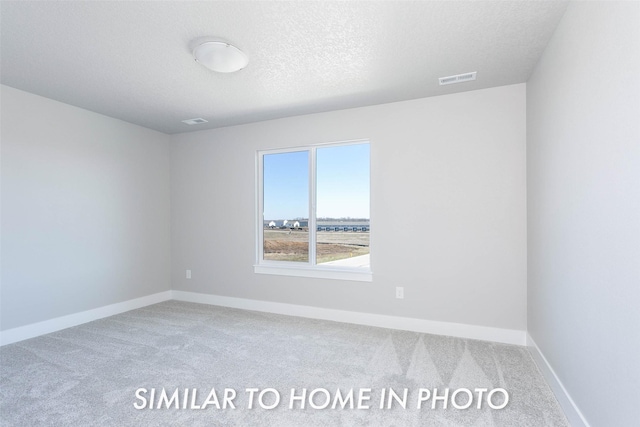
x=89, y=375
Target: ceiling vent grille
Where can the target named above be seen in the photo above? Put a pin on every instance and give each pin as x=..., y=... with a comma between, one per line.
x=195, y=121
x=459, y=78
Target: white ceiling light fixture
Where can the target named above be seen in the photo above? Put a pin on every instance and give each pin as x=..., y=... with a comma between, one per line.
x=220, y=56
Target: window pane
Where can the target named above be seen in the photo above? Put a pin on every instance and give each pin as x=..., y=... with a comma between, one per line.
x=286, y=206
x=342, y=205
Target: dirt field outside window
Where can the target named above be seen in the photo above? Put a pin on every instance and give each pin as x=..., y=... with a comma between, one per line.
x=293, y=245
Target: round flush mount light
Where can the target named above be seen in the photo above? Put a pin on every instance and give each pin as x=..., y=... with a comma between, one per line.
x=220, y=57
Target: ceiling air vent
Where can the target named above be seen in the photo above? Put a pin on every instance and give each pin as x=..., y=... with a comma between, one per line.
x=194, y=121
x=459, y=78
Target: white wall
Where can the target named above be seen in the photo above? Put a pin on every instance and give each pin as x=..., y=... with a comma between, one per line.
x=448, y=209
x=85, y=210
x=583, y=161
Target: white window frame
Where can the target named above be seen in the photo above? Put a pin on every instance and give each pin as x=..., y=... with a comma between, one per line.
x=302, y=269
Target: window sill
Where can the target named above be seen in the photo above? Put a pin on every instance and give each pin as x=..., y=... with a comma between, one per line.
x=354, y=274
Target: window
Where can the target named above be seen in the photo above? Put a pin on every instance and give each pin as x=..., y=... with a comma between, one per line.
x=313, y=211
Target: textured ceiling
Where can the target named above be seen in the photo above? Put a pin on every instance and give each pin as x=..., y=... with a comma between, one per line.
x=132, y=60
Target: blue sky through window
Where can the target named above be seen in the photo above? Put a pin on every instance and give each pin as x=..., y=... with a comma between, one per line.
x=342, y=183
x=342, y=186
x=286, y=185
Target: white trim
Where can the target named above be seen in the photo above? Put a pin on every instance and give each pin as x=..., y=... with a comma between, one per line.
x=571, y=410
x=52, y=325
x=507, y=336
x=314, y=272
x=259, y=209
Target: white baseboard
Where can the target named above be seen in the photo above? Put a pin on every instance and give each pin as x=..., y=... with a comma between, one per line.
x=508, y=336
x=571, y=410
x=36, y=329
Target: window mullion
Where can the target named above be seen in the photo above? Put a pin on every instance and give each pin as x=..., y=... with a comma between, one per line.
x=312, y=206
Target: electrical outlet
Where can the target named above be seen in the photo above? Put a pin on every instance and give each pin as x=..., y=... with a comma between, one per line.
x=399, y=292
x=188, y=274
